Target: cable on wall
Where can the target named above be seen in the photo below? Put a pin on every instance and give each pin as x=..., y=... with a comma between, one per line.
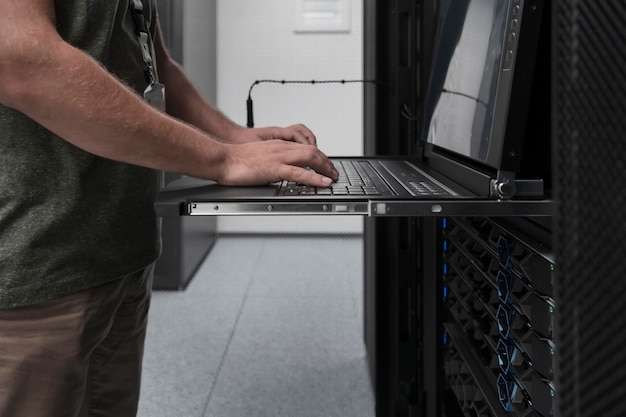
x=249, y=105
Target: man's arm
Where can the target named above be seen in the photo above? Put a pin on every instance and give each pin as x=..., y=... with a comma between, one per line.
x=69, y=93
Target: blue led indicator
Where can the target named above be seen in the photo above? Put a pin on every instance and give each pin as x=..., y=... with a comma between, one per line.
x=445, y=245
x=445, y=223
x=445, y=269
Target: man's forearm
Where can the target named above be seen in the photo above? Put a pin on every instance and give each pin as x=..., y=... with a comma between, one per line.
x=185, y=103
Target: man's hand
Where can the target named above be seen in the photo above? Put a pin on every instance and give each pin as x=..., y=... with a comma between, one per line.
x=259, y=163
x=296, y=133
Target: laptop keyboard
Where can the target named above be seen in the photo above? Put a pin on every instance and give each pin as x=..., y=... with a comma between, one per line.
x=353, y=180
x=360, y=179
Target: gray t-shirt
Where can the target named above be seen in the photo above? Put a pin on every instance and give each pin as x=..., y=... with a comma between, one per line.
x=70, y=220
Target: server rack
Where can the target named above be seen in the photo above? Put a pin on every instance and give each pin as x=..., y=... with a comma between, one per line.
x=393, y=55
x=421, y=334
x=520, y=317
x=589, y=124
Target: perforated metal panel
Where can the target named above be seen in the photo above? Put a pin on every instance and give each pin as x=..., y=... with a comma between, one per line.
x=590, y=161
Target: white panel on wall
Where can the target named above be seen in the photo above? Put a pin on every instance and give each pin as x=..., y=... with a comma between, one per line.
x=323, y=16
x=256, y=41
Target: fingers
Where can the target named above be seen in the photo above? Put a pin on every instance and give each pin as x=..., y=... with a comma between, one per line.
x=307, y=177
x=296, y=133
x=300, y=133
x=276, y=160
x=322, y=172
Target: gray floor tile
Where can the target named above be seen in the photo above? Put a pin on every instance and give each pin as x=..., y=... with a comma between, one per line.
x=267, y=327
x=294, y=357
x=187, y=337
x=228, y=268
x=322, y=267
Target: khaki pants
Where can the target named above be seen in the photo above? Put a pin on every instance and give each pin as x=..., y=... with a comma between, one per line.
x=77, y=356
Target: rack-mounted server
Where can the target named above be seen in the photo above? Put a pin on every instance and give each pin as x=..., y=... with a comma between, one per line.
x=497, y=292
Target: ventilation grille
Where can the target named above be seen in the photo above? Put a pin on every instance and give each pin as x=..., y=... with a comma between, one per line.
x=590, y=238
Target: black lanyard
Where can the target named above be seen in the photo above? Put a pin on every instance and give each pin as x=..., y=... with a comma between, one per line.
x=145, y=40
x=154, y=92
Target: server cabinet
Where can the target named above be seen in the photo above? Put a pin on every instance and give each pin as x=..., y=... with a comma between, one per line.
x=589, y=124
x=397, y=50
x=522, y=317
x=424, y=355
x=392, y=323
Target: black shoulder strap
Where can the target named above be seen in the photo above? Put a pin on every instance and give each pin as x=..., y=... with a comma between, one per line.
x=145, y=40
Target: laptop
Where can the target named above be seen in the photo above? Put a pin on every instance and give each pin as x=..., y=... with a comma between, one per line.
x=473, y=143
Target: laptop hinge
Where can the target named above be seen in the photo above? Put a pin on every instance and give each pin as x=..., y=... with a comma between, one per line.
x=505, y=186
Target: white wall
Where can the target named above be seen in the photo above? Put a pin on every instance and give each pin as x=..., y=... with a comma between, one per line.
x=200, y=45
x=256, y=40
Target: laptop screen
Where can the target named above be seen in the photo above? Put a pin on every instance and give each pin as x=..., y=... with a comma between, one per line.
x=470, y=90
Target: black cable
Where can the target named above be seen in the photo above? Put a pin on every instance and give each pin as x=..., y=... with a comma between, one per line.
x=249, y=105
x=476, y=99
x=408, y=114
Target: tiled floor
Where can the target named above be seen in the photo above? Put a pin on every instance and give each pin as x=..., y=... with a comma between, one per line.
x=269, y=326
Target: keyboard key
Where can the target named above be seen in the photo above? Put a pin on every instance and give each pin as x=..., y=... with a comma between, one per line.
x=371, y=191
x=340, y=191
